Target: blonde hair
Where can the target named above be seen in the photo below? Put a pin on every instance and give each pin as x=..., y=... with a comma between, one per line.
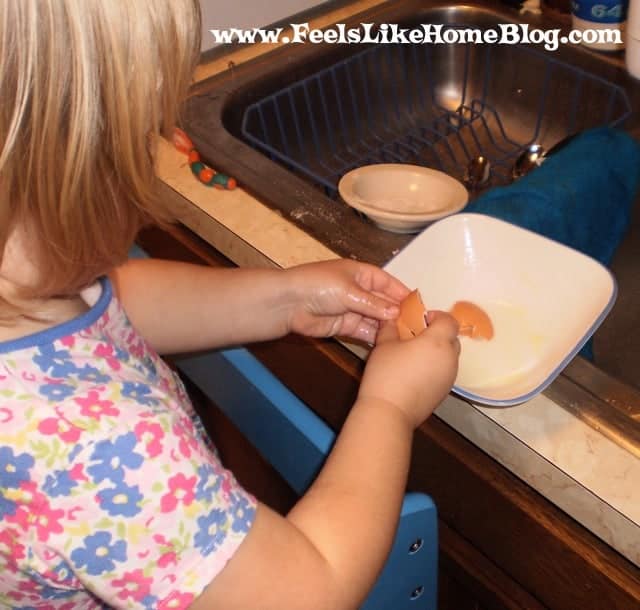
x=86, y=86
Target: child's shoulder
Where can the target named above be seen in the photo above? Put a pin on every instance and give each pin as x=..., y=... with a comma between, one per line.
x=67, y=397
x=64, y=421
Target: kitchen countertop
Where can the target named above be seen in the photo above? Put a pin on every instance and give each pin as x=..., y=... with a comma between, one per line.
x=573, y=465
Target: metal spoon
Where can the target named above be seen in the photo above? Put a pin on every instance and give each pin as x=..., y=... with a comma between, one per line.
x=535, y=155
x=560, y=145
x=530, y=158
x=477, y=173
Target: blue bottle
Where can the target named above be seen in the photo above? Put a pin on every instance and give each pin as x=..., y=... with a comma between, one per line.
x=601, y=23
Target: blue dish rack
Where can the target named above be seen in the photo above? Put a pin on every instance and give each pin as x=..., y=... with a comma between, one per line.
x=396, y=104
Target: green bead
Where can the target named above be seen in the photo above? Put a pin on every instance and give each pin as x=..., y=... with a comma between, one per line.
x=219, y=179
x=197, y=167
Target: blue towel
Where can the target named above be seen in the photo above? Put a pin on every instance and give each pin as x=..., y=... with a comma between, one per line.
x=581, y=196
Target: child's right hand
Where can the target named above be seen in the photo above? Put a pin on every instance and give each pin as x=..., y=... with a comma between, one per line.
x=415, y=376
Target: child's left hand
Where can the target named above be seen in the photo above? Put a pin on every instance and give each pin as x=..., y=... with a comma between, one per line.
x=341, y=298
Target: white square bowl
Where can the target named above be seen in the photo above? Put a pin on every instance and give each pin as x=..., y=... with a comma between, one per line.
x=545, y=300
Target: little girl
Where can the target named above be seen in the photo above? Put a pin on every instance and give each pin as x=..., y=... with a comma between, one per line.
x=109, y=493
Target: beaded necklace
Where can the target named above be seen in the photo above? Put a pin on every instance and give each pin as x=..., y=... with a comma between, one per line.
x=203, y=173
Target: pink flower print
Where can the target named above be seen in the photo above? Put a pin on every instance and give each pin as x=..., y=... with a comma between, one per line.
x=34, y=511
x=46, y=522
x=165, y=385
x=27, y=590
x=133, y=585
x=185, y=432
x=10, y=545
x=107, y=352
x=92, y=406
x=71, y=513
x=60, y=427
x=177, y=601
x=28, y=376
x=135, y=345
x=168, y=555
x=168, y=558
x=180, y=490
x=77, y=473
x=28, y=502
x=6, y=415
x=16, y=596
x=225, y=484
x=151, y=434
x=68, y=341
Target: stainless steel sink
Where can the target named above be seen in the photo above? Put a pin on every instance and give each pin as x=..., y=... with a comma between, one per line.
x=288, y=124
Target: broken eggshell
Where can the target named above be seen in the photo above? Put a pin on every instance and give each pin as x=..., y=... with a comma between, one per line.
x=472, y=320
x=411, y=320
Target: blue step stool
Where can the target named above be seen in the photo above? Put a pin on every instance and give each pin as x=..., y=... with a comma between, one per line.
x=296, y=442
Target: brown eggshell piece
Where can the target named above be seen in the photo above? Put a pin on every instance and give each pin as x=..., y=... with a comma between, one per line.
x=473, y=320
x=411, y=322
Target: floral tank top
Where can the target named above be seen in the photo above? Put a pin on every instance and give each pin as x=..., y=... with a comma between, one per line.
x=110, y=494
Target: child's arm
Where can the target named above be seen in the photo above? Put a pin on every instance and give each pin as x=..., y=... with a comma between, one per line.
x=327, y=553
x=180, y=307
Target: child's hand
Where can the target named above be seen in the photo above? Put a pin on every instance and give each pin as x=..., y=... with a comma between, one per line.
x=415, y=375
x=342, y=298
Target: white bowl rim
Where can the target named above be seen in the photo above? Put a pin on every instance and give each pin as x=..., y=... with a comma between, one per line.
x=516, y=399
x=345, y=188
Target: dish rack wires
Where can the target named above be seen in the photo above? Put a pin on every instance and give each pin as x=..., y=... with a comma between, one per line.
x=437, y=106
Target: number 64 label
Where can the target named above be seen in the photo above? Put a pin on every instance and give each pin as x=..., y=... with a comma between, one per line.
x=599, y=11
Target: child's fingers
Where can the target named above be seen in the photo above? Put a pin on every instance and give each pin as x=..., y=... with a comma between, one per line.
x=387, y=331
x=443, y=324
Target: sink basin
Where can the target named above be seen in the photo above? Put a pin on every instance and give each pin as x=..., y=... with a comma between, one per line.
x=288, y=135
x=288, y=124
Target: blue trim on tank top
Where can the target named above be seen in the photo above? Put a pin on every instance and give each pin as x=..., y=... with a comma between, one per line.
x=67, y=328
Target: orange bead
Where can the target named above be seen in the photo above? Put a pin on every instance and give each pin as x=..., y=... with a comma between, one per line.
x=194, y=156
x=206, y=174
x=231, y=184
x=181, y=141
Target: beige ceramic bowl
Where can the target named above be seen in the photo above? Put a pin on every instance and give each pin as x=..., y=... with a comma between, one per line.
x=402, y=198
